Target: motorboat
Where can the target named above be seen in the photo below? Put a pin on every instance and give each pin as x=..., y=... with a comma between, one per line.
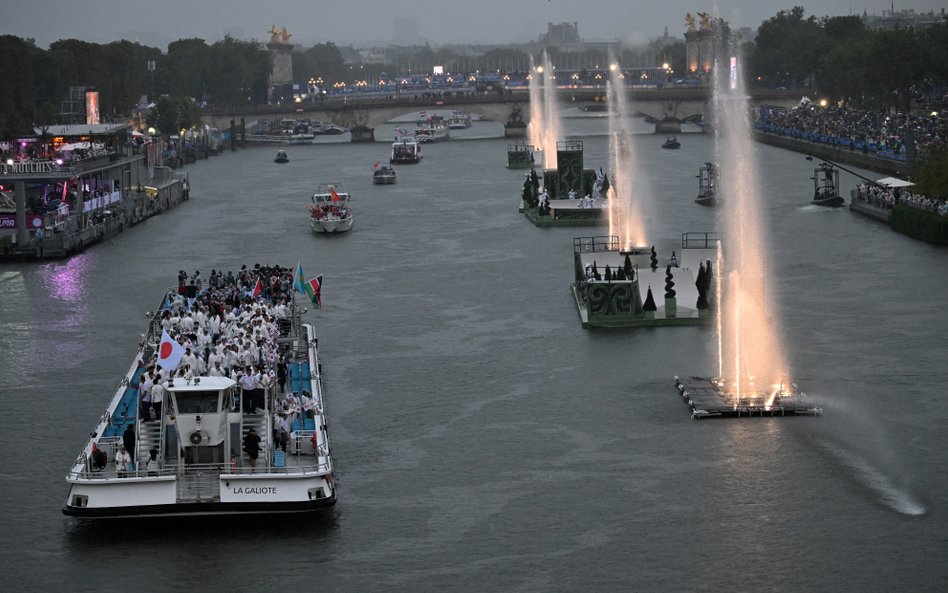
x=406, y=150
x=383, y=175
x=329, y=212
x=459, y=120
x=708, y=185
x=826, y=186
x=195, y=453
x=281, y=157
x=671, y=142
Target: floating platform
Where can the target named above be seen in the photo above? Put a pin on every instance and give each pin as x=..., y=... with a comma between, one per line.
x=609, y=300
x=568, y=213
x=708, y=397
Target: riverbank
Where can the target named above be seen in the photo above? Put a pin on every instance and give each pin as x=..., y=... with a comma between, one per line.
x=839, y=154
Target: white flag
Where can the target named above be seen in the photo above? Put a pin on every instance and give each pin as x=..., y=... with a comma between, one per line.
x=169, y=352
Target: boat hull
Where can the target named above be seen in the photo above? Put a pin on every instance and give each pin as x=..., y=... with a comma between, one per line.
x=330, y=227
x=707, y=200
x=201, y=508
x=834, y=202
x=384, y=180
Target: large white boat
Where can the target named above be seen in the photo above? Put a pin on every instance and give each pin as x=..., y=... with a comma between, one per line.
x=190, y=456
x=433, y=130
x=329, y=212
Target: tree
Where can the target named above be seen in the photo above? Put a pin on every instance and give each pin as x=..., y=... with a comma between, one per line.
x=654, y=259
x=669, y=283
x=787, y=47
x=933, y=174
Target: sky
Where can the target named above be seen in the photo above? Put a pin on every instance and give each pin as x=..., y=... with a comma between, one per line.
x=372, y=22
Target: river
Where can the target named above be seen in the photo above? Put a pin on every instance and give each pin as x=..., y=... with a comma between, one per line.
x=484, y=441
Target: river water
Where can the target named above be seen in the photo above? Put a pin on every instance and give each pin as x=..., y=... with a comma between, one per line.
x=484, y=441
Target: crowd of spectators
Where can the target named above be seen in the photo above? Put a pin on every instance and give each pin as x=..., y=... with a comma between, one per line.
x=877, y=132
x=887, y=198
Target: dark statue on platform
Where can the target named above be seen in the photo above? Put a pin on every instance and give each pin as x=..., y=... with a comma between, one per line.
x=649, y=301
x=654, y=259
x=701, y=284
x=627, y=267
x=669, y=283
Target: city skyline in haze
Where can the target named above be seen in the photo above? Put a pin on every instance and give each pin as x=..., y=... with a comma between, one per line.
x=361, y=22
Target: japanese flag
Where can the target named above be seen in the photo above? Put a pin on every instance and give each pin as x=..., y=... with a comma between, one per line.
x=169, y=352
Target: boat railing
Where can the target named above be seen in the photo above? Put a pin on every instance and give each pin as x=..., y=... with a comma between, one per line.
x=697, y=240
x=300, y=464
x=595, y=244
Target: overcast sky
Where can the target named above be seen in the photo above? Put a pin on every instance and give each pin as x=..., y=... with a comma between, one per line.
x=362, y=22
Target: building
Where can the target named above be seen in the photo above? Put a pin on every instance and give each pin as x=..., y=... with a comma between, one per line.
x=891, y=19
x=563, y=33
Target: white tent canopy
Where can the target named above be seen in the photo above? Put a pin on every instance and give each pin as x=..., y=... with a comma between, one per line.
x=894, y=182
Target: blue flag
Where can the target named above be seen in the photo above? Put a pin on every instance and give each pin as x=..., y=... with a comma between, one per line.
x=299, y=282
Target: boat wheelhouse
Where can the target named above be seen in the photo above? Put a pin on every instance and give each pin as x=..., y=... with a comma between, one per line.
x=189, y=458
x=329, y=212
x=671, y=142
x=708, y=185
x=826, y=186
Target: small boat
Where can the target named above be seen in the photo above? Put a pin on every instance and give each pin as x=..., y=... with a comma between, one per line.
x=459, y=120
x=194, y=453
x=329, y=211
x=708, y=185
x=826, y=186
x=281, y=157
x=671, y=142
x=383, y=175
x=406, y=151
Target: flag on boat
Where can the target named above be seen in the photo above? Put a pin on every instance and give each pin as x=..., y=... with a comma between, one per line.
x=169, y=352
x=312, y=289
x=334, y=195
x=298, y=279
x=258, y=288
x=376, y=165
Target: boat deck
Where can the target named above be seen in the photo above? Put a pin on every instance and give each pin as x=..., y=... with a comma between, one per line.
x=707, y=399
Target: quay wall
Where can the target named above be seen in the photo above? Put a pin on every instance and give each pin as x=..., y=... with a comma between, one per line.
x=838, y=154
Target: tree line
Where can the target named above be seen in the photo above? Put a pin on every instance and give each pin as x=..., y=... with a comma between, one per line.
x=849, y=63
x=838, y=56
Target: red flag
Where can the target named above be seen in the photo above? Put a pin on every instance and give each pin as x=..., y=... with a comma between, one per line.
x=376, y=165
x=257, y=288
x=334, y=195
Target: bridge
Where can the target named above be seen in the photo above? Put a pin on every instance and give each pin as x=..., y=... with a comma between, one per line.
x=666, y=107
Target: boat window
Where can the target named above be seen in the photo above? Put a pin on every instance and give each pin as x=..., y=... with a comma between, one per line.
x=197, y=402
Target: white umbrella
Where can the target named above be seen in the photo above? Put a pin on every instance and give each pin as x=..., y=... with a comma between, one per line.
x=894, y=182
